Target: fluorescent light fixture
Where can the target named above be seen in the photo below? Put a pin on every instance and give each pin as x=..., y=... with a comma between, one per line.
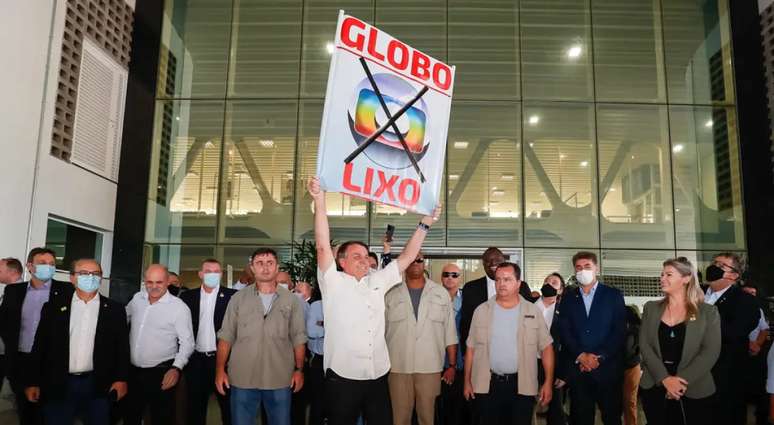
x=460, y=145
x=709, y=123
x=507, y=177
x=498, y=192
x=612, y=189
x=574, y=51
x=329, y=47
x=584, y=164
x=562, y=156
x=534, y=120
x=177, y=118
x=678, y=148
x=454, y=176
x=532, y=145
x=267, y=143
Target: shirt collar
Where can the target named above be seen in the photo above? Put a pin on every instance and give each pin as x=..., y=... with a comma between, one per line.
x=489, y=281
x=719, y=293
x=542, y=306
x=77, y=299
x=214, y=293
x=164, y=298
x=592, y=291
x=46, y=286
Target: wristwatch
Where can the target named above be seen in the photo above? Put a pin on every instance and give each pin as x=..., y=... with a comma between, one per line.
x=298, y=369
x=423, y=226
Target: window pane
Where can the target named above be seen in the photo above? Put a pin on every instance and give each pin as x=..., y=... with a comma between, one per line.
x=542, y=262
x=555, y=43
x=320, y=17
x=422, y=25
x=405, y=224
x=636, y=273
x=484, y=175
x=183, y=192
x=484, y=46
x=347, y=216
x=628, y=52
x=636, y=190
x=560, y=175
x=72, y=243
x=708, y=189
x=697, y=43
x=266, y=43
x=193, y=57
x=257, y=175
x=185, y=260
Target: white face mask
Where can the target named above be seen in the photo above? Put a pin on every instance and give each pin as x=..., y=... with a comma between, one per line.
x=585, y=277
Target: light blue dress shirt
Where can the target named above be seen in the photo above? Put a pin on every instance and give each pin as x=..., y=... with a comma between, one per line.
x=315, y=333
x=589, y=298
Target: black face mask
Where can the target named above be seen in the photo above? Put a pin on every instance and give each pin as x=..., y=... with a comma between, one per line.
x=548, y=291
x=714, y=273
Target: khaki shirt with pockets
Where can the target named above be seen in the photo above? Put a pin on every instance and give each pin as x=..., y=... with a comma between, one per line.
x=262, y=344
x=418, y=345
x=533, y=337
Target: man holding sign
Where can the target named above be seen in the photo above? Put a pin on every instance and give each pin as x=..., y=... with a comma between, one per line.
x=355, y=358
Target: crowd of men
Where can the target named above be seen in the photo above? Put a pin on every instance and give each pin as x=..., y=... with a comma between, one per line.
x=379, y=343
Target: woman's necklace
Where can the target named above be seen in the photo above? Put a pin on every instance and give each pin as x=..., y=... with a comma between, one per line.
x=671, y=322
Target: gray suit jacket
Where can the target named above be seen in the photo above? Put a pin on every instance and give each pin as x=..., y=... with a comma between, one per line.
x=700, y=349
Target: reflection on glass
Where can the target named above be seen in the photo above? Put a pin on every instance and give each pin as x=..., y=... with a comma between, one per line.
x=422, y=25
x=697, y=42
x=193, y=55
x=320, y=18
x=484, y=175
x=636, y=273
x=257, y=176
x=183, y=188
x=265, y=48
x=635, y=187
x=347, y=216
x=560, y=175
x=555, y=49
x=539, y=263
x=185, y=260
x=484, y=46
x=628, y=50
x=708, y=190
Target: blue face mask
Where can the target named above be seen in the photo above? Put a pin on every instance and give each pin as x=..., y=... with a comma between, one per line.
x=44, y=272
x=212, y=280
x=88, y=283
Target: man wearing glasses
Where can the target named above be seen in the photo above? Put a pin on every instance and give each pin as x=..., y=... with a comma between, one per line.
x=80, y=359
x=738, y=317
x=420, y=332
x=454, y=409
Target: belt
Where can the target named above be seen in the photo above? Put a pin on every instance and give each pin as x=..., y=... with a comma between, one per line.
x=81, y=374
x=206, y=353
x=506, y=377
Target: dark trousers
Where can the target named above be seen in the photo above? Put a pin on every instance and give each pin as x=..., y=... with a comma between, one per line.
x=503, y=405
x=145, y=391
x=29, y=413
x=755, y=387
x=81, y=401
x=346, y=399
x=2, y=370
x=454, y=409
x=555, y=413
x=729, y=408
x=587, y=393
x=686, y=411
x=315, y=382
x=300, y=400
x=200, y=384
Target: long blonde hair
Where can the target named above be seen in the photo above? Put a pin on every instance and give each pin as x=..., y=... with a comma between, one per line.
x=693, y=293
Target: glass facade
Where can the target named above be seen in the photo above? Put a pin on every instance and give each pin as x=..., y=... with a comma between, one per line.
x=603, y=125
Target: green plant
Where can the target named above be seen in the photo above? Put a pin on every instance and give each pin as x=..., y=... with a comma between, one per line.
x=303, y=263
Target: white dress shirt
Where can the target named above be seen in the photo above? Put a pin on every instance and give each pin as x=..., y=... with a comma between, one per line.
x=491, y=290
x=83, y=328
x=160, y=331
x=548, y=314
x=713, y=297
x=763, y=325
x=354, y=346
x=205, y=335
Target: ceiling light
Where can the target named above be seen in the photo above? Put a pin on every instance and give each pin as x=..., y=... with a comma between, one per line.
x=507, y=177
x=267, y=143
x=562, y=156
x=498, y=192
x=612, y=189
x=709, y=123
x=678, y=148
x=534, y=119
x=584, y=164
x=460, y=145
x=329, y=47
x=454, y=176
x=574, y=51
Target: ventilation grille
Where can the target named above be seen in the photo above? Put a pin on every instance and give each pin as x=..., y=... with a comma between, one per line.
x=99, y=112
x=108, y=23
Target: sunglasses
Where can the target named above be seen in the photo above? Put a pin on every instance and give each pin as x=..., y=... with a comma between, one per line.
x=450, y=274
x=419, y=260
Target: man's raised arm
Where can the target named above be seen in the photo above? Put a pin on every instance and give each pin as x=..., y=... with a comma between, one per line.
x=322, y=233
x=414, y=244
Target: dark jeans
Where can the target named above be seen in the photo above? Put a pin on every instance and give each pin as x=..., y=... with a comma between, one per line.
x=729, y=408
x=145, y=391
x=555, y=414
x=2, y=370
x=29, y=413
x=586, y=393
x=79, y=401
x=454, y=409
x=503, y=405
x=315, y=386
x=200, y=384
x=347, y=398
x=686, y=411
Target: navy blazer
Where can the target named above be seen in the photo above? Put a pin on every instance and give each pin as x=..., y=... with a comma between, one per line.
x=601, y=332
x=192, y=297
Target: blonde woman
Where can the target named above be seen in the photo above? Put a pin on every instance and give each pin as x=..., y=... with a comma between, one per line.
x=680, y=342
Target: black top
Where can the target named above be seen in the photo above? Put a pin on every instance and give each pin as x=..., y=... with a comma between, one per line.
x=670, y=341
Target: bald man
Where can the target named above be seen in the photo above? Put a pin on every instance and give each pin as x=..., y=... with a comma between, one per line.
x=161, y=341
x=454, y=407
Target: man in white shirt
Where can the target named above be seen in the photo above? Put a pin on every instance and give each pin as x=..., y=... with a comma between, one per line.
x=208, y=307
x=161, y=341
x=356, y=361
x=80, y=358
x=11, y=272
